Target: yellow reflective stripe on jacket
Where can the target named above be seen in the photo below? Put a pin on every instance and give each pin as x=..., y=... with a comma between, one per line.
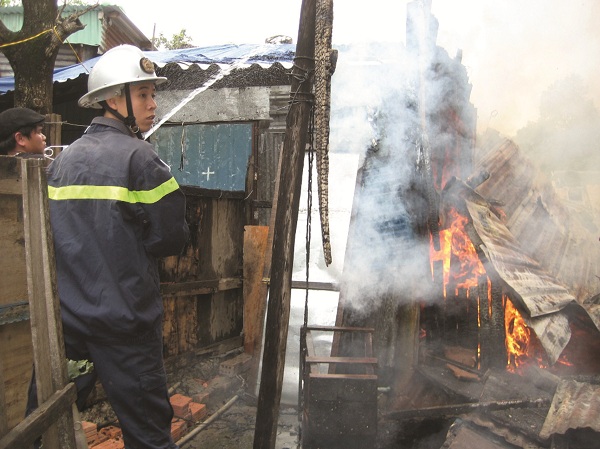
x=84, y=192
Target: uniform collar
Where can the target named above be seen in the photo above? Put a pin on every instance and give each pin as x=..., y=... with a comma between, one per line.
x=112, y=123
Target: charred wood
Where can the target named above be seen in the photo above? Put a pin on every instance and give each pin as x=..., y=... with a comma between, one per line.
x=461, y=409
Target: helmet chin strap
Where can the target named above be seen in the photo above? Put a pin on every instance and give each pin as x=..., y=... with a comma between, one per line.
x=130, y=119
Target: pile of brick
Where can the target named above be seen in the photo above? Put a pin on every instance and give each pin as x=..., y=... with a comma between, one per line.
x=178, y=428
x=113, y=443
x=91, y=433
x=186, y=411
x=109, y=437
x=236, y=365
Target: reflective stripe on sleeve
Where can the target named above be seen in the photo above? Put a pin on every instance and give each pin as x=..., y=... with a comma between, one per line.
x=115, y=193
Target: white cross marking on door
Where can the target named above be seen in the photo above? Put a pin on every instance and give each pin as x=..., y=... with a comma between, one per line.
x=208, y=173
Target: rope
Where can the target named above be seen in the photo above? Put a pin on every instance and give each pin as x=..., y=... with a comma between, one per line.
x=324, y=67
x=72, y=49
x=301, y=75
x=27, y=39
x=49, y=30
x=311, y=129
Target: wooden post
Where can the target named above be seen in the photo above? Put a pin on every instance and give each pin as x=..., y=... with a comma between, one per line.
x=54, y=130
x=498, y=349
x=485, y=322
x=3, y=417
x=278, y=309
x=255, y=296
x=46, y=324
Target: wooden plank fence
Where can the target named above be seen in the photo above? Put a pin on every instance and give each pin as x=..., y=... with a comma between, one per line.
x=27, y=241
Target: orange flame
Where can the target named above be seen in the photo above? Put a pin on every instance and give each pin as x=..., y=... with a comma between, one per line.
x=522, y=346
x=518, y=337
x=462, y=266
x=456, y=246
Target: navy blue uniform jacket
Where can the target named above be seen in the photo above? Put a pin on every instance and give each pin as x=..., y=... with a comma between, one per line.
x=114, y=209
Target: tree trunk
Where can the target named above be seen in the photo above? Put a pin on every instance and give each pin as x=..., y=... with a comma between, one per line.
x=32, y=51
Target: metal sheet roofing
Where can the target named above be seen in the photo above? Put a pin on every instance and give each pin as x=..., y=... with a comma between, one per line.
x=547, y=229
x=539, y=294
x=529, y=239
x=105, y=25
x=228, y=56
x=576, y=405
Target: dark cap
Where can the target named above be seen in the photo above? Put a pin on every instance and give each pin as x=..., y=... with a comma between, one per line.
x=14, y=119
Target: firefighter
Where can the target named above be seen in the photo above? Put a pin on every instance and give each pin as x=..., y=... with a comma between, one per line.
x=115, y=209
x=21, y=133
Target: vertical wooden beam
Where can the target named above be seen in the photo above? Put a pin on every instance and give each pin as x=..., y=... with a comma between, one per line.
x=262, y=288
x=3, y=414
x=54, y=132
x=484, y=322
x=46, y=324
x=498, y=337
x=278, y=309
x=255, y=295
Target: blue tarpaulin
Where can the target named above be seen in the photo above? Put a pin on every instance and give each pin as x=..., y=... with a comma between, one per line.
x=230, y=54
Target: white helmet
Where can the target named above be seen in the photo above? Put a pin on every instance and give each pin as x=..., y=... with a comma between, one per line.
x=115, y=68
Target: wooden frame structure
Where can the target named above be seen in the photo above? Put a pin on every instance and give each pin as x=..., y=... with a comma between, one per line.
x=338, y=409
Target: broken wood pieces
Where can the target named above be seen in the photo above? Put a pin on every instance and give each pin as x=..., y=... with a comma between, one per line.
x=442, y=411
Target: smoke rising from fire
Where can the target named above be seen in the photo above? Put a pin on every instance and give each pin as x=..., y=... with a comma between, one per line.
x=516, y=54
x=513, y=50
x=375, y=114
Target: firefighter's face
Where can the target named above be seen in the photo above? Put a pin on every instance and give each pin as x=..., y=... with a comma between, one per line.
x=142, y=102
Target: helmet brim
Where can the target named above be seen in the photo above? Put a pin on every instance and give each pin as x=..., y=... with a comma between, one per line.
x=93, y=98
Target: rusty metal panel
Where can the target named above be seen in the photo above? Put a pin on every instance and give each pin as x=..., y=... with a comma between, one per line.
x=553, y=232
x=540, y=293
x=463, y=435
x=576, y=405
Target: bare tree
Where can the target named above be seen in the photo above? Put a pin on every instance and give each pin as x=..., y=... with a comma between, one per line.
x=32, y=50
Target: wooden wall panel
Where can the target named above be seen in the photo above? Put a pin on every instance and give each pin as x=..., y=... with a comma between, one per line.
x=213, y=254
x=16, y=350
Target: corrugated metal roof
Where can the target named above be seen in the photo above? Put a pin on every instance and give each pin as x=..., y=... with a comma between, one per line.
x=227, y=57
x=539, y=295
x=90, y=35
x=118, y=29
x=547, y=230
x=576, y=405
x=106, y=26
x=528, y=235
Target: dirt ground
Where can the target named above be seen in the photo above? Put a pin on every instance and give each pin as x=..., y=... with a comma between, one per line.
x=230, y=422
x=231, y=409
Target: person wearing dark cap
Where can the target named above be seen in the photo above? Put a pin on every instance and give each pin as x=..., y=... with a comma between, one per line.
x=21, y=133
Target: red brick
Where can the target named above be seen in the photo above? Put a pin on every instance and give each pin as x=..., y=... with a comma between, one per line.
x=181, y=405
x=111, y=432
x=198, y=411
x=235, y=365
x=111, y=443
x=178, y=429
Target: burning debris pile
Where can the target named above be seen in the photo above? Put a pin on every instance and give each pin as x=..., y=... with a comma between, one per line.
x=497, y=335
